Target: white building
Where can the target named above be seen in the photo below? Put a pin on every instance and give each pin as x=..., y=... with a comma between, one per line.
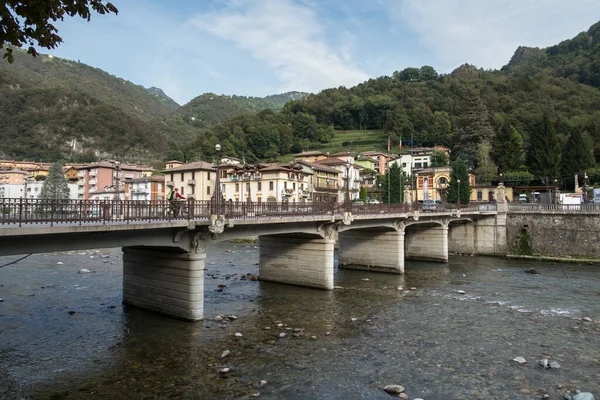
x=416, y=159
x=32, y=188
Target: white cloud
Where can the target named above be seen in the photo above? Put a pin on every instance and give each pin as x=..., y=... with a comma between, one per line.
x=288, y=38
x=486, y=33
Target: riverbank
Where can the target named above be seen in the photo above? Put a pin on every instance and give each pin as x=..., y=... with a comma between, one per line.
x=590, y=261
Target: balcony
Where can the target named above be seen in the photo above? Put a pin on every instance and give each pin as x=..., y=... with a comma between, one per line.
x=92, y=181
x=170, y=183
x=305, y=193
x=320, y=186
x=93, y=172
x=287, y=192
x=81, y=174
x=191, y=182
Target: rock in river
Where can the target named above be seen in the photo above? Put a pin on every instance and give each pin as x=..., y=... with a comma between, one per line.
x=584, y=396
x=519, y=360
x=394, y=389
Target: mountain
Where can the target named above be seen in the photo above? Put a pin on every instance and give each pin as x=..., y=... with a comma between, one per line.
x=158, y=92
x=52, y=108
x=209, y=109
x=577, y=59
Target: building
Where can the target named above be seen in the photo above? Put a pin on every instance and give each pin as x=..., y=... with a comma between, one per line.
x=349, y=174
x=417, y=158
x=33, y=189
x=71, y=174
x=432, y=183
x=380, y=160
x=486, y=193
x=310, y=156
x=365, y=162
x=324, y=182
x=150, y=188
x=97, y=176
x=266, y=182
x=14, y=177
x=195, y=180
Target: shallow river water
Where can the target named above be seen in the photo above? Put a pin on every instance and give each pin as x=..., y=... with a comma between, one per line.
x=66, y=335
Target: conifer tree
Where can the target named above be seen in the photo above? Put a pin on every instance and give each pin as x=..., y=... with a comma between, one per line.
x=486, y=169
x=508, y=149
x=55, y=186
x=459, y=171
x=577, y=156
x=473, y=128
x=392, y=185
x=544, y=150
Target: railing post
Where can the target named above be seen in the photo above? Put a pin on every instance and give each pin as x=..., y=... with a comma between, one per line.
x=20, y=210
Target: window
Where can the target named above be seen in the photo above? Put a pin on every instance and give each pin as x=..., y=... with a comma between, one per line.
x=285, y=185
x=208, y=190
x=181, y=190
x=479, y=195
x=259, y=186
x=417, y=165
x=425, y=164
x=491, y=195
x=182, y=177
x=172, y=177
x=160, y=187
x=404, y=165
x=294, y=186
x=193, y=175
x=193, y=189
x=237, y=187
x=248, y=187
x=271, y=185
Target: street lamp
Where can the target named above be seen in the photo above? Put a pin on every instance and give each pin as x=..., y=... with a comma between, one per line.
x=556, y=192
x=458, y=196
x=217, y=196
x=116, y=196
x=347, y=200
x=380, y=197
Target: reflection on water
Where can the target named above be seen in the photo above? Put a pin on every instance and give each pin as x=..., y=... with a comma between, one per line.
x=341, y=344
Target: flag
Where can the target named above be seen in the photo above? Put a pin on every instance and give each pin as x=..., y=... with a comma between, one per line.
x=388, y=143
x=400, y=142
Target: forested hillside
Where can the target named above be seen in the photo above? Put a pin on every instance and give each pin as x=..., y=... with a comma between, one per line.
x=209, y=108
x=534, y=104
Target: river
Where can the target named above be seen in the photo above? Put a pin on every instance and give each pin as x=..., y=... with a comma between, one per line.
x=66, y=335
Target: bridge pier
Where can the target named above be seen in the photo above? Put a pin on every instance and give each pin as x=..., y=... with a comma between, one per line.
x=371, y=250
x=461, y=238
x=297, y=259
x=426, y=242
x=165, y=280
x=490, y=235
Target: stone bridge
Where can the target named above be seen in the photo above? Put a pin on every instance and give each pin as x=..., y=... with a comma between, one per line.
x=164, y=261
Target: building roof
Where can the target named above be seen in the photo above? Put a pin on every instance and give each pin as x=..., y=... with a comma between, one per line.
x=332, y=161
x=197, y=165
x=343, y=154
x=14, y=171
x=319, y=167
x=153, y=178
x=309, y=153
x=111, y=165
x=373, y=153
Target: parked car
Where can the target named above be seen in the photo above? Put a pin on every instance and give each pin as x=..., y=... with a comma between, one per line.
x=359, y=203
x=432, y=205
x=373, y=201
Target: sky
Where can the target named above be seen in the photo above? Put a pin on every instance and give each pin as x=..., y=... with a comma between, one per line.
x=262, y=47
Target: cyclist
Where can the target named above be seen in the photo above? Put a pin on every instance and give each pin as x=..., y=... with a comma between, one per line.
x=173, y=198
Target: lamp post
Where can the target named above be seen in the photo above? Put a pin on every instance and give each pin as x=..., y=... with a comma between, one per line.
x=116, y=196
x=347, y=200
x=556, y=192
x=380, y=197
x=217, y=196
x=458, y=196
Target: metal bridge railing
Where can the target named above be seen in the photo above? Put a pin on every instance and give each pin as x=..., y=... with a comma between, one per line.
x=37, y=211
x=549, y=208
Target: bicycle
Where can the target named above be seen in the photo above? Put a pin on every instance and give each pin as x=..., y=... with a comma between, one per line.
x=178, y=209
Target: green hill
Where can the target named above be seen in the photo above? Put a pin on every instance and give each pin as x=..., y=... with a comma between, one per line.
x=209, y=108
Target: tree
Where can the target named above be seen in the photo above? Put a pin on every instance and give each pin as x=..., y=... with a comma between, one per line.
x=473, y=128
x=27, y=22
x=508, y=149
x=577, y=156
x=439, y=158
x=459, y=171
x=544, y=150
x=362, y=194
x=486, y=169
x=392, y=185
x=55, y=186
x=428, y=73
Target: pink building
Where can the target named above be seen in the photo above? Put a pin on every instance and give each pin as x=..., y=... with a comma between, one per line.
x=96, y=177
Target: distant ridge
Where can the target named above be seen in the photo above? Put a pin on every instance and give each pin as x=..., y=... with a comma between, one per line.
x=158, y=92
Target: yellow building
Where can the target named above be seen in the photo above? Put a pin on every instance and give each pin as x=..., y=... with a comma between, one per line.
x=310, y=156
